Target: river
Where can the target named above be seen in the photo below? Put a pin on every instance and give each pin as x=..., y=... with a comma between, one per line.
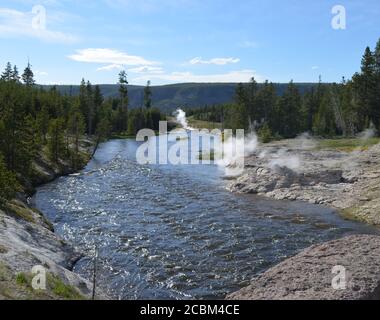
x=174, y=232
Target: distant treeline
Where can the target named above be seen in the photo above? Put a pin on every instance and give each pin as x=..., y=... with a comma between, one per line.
x=185, y=95
x=325, y=109
x=35, y=122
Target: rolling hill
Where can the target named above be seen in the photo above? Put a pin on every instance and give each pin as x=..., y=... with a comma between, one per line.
x=185, y=95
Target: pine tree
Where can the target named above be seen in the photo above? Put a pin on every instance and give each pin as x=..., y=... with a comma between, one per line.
x=28, y=76
x=42, y=123
x=15, y=75
x=56, y=143
x=289, y=110
x=147, y=96
x=76, y=128
x=123, y=107
x=8, y=183
x=252, y=109
x=8, y=73
x=90, y=107
x=366, y=88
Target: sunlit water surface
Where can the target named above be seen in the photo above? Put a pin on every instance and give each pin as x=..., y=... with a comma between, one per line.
x=174, y=232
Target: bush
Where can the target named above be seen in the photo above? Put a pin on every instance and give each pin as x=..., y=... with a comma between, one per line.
x=265, y=134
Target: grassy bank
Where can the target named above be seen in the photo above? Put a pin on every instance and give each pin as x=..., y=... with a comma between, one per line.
x=348, y=144
x=17, y=286
x=200, y=124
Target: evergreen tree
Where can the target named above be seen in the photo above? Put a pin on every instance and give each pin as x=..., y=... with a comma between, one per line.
x=15, y=75
x=42, y=123
x=147, y=96
x=289, y=110
x=90, y=107
x=76, y=128
x=7, y=75
x=28, y=76
x=123, y=107
x=56, y=142
x=252, y=110
x=8, y=183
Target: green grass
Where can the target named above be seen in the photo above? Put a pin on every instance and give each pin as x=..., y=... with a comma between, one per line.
x=123, y=136
x=20, y=212
x=55, y=288
x=348, y=145
x=200, y=124
x=22, y=279
x=62, y=289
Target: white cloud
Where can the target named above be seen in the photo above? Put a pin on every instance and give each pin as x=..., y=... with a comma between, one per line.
x=110, y=67
x=17, y=23
x=217, y=61
x=109, y=56
x=314, y=67
x=147, y=69
x=233, y=76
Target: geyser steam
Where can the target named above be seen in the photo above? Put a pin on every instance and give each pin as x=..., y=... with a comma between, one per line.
x=182, y=120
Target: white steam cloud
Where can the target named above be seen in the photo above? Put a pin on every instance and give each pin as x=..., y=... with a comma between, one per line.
x=182, y=120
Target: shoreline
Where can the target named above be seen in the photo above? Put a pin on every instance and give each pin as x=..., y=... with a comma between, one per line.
x=28, y=239
x=345, y=181
x=342, y=269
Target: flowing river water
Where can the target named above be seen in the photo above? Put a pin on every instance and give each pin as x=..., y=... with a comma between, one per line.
x=175, y=232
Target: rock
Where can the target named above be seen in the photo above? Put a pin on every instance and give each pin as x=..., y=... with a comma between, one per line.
x=27, y=239
x=25, y=243
x=308, y=275
x=342, y=180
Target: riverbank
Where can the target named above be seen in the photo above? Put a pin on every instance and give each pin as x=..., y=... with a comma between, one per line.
x=310, y=275
x=314, y=171
x=321, y=172
x=27, y=239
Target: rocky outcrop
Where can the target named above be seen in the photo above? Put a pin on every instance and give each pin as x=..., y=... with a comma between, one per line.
x=27, y=239
x=288, y=170
x=309, y=275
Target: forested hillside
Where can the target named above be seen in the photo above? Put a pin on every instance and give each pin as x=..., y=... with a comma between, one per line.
x=324, y=110
x=185, y=95
x=35, y=122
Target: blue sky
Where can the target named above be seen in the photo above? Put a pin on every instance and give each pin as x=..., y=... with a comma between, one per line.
x=172, y=41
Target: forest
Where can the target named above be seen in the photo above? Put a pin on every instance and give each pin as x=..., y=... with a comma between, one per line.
x=325, y=110
x=35, y=121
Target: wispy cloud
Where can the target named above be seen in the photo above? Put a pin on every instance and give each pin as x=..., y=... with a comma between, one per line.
x=114, y=59
x=248, y=44
x=217, y=61
x=147, y=69
x=314, y=67
x=110, y=67
x=233, y=76
x=14, y=23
